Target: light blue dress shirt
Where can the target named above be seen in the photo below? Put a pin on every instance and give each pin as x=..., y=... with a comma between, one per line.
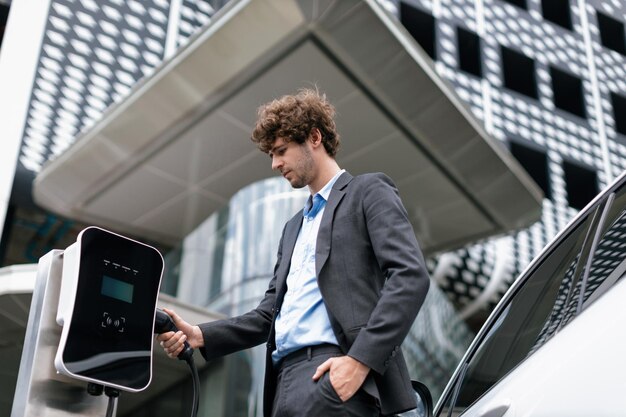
x=303, y=319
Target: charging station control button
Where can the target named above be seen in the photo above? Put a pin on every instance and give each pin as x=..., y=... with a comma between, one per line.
x=117, y=324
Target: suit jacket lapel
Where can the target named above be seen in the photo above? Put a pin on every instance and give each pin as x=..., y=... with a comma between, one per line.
x=322, y=248
x=289, y=242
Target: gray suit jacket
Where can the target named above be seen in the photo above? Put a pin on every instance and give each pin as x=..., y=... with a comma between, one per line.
x=373, y=280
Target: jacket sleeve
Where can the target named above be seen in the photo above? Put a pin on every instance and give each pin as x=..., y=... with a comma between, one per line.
x=401, y=261
x=222, y=337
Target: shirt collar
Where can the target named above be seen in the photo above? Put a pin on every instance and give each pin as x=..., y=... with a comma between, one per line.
x=325, y=191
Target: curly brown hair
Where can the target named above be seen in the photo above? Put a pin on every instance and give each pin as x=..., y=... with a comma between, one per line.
x=292, y=117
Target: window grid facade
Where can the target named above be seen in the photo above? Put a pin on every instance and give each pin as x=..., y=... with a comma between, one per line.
x=94, y=52
x=592, y=141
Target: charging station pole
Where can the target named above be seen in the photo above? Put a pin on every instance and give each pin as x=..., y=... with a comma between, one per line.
x=40, y=390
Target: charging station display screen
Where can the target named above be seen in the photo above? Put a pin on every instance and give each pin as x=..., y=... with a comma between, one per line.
x=117, y=289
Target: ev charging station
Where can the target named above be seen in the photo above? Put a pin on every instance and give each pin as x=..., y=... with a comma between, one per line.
x=91, y=323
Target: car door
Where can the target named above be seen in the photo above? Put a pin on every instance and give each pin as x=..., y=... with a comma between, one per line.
x=581, y=264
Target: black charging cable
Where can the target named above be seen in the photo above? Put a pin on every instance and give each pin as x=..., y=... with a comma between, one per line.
x=163, y=323
x=112, y=393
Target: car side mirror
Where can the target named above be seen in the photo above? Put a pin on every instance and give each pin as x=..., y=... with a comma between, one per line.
x=424, y=402
x=424, y=399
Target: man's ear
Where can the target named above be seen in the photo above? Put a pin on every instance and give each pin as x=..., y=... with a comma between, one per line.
x=315, y=137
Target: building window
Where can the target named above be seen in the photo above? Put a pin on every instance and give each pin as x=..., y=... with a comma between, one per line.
x=536, y=164
x=581, y=184
x=611, y=33
x=519, y=3
x=619, y=112
x=568, y=92
x=557, y=11
x=519, y=72
x=469, y=52
x=420, y=25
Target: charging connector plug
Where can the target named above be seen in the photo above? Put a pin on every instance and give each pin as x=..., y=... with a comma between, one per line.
x=163, y=323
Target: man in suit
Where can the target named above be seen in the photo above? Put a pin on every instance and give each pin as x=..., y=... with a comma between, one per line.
x=348, y=282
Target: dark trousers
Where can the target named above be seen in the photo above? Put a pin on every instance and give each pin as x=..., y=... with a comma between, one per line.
x=298, y=395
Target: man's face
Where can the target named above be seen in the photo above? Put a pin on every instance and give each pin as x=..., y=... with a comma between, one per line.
x=294, y=161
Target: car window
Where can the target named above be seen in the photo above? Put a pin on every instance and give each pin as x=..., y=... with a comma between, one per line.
x=607, y=264
x=531, y=316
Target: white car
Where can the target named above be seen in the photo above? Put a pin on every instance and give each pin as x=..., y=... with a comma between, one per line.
x=555, y=345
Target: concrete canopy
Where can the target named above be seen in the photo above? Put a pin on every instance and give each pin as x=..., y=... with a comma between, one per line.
x=176, y=150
